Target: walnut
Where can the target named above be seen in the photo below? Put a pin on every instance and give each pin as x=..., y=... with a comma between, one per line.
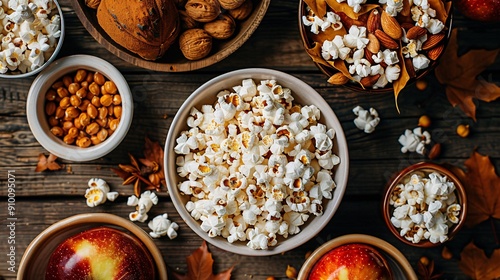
x=203, y=10
x=230, y=4
x=187, y=22
x=221, y=28
x=243, y=11
x=195, y=43
x=93, y=4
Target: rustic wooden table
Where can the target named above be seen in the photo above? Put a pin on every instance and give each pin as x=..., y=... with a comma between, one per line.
x=45, y=198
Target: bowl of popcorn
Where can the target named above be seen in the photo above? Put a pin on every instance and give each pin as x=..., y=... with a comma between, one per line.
x=76, y=248
x=425, y=205
x=32, y=34
x=378, y=46
x=79, y=108
x=258, y=162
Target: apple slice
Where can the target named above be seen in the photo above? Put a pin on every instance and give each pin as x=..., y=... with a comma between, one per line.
x=351, y=261
x=101, y=253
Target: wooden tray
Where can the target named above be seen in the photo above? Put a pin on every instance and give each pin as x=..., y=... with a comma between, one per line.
x=173, y=60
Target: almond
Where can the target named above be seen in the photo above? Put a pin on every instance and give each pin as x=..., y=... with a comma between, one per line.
x=385, y=40
x=369, y=81
x=374, y=45
x=434, y=53
x=373, y=22
x=415, y=32
x=338, y=79
x=409, y=68
x=432, y=41
x=368, y=56
x=435, y=151
x=407, y=25
x=391, y=26
x=348, y=22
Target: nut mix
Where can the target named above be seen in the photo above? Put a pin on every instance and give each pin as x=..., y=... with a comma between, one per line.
x=255, y=165
x=83, y=108
x=375, y=44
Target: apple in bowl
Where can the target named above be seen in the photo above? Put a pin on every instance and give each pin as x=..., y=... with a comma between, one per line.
x=101, y=253
x=351, y=261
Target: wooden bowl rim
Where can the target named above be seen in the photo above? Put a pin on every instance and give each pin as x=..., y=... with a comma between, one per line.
x=251, y=23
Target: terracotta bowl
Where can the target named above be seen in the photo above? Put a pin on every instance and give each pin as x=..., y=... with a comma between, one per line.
x=399, y=266
x=173, y=60
x=426, y=168
x=36, y=257
x=38, y=120
x=329, y=71
x=303, y=94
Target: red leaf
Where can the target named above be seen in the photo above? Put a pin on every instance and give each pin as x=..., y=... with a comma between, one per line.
x=200, y=264
x=476, y=265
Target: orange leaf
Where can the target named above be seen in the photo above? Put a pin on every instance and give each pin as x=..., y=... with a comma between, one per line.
x=348, y=10
x=476, y=265
x=200, y=264
x=459, y=74
x=482, y=186
x=317, y=6
x=45, y=163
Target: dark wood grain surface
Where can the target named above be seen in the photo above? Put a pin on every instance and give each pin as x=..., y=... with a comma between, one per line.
x=44, y=198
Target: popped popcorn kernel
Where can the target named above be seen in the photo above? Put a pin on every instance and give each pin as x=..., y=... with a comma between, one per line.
x=255, y=165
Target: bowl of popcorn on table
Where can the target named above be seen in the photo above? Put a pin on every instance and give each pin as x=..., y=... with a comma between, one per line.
x=425, y=205
x=32, y=34
x=260, y=159
x=375, y=46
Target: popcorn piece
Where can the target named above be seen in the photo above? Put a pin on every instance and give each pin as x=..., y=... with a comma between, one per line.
x=354, y=4
x=331, y=50
x=420, y=62
x=356, y=38
x=142, y=205
x=366, y=120
x=98, y=192
x=393, y=7
x=161, y=225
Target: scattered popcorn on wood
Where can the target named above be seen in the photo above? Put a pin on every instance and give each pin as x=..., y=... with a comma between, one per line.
x=414, y=140
x=425, y=207
x=161, y=226
x=142, y=205
x=255, y=165
x=366, y=120
x=98, y=192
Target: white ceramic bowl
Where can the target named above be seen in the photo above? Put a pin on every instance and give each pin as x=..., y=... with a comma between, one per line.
x=36, y=257
x=15, y=75
x=37, y=119
x=303, y=94
x=397, y=262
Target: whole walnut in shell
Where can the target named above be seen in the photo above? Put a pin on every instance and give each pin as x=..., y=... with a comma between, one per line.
x=221, y=28
x=195, y=43
x=243, y=11
x=203, y=10
x=230, y=4
x=187, y=22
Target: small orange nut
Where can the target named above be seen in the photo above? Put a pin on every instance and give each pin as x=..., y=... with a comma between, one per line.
x=424, y=121
x=291, y=272
x=421, y=84
x=424, y=260
x=463, y=130
x=446, y=253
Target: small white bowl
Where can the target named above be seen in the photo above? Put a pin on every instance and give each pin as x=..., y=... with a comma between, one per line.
x=36, y=257
x=13, y=75
x=37, y=119
x=303, y=94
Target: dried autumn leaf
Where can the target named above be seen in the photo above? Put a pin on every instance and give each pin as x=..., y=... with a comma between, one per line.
x=45, y=163
x=482, y=186
x=200, y=264
x=477, y=265
x=459, y=74
x=403, y=79
x=317, y=6
x=348, y=10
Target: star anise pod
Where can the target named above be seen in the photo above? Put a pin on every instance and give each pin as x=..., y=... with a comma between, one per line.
x=148, y=171
x=426, y=269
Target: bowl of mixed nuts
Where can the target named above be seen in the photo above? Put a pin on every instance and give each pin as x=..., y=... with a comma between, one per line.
x=79, y=108
x=425, y=205
x=376, y=46
x=258, y=162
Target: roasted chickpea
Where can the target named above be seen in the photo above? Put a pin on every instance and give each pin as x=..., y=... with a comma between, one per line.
x=102, y=134
x=73, y=132
x=59, y=113
x=67, y=125
x=103, y=112
x=83, y=142
x=94, y=88
x=84, y=119
x=65, y=102
x=96, y=101
x=51, y=95
x=80, y=75
x=75, y=101
x=68, y=140
x=102, y=122
x=117, y=111
x=57, y=84
x=67, y=80
x=62, y=92
x=83, y=106
x=92, y=111
x=53, y=121
x=117, y=99
x=110, y=87
x=72, y=112
x=81, y=93
x=92, y=128
x=99, y=78
x=50, y=108
x=57, y=131
x=106, y=100
x=113, y=125
x=95, y=140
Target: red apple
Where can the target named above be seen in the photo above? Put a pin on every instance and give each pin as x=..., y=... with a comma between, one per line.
x=101, y=253
x=482, y=10
x=351, y=261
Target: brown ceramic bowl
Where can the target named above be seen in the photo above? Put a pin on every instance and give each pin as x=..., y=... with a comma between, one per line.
x=173, y=60
x=329, y=71
x=36, y=257
x=398, y=265
x=426, y=168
